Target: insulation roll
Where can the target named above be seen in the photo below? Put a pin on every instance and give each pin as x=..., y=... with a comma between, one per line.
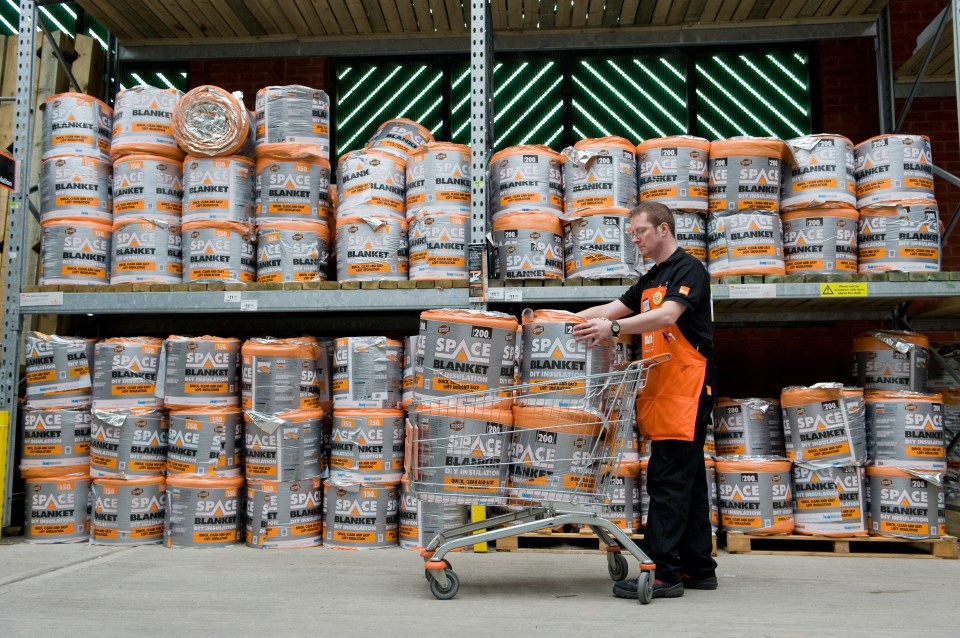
x=210, y=122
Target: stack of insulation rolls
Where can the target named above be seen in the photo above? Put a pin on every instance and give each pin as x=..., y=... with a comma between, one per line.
x=128, y=449
x=818, y=205
x=906, y=437
x=899, y=218
x=281, y=384
x=371, y=209
x=76, y=207
x=462, y=445
x=147, y=188
x=362, y=496
x=293, y=211
x=744, y=232
x=673, y=171
x=201, y=391
x=55, y=448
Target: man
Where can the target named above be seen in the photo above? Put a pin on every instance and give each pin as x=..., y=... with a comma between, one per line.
x=673, y=301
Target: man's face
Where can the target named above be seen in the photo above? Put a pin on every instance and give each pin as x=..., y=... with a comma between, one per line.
x=643, y=235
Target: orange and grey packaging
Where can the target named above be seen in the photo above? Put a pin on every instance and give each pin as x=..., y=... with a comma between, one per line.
x=292, y=183
x=75, y=252
x=283, y=447
x=674, y=171
x=596, y=245
x=438, y=243
x=463, y=453
x=218, y=189
x=143, y=122
x=128, y=511
x=399, y=137
x=748, y=427
x=745, y=174
x=293, y=114
x=55, y=442
x=464, y=351
x=903, y=237
x=906, y=430
x=58, y=372
x=551, y=454
x=128, y=443
x=57, y=510
x=745, y=243
x=371, y=248
x=421, y=521
x=205, y=441
x=599, y=173
x=891, y=169
x=822, y=176
x=905, y=503
x=146, y=251
x=825, y=424
x=290, y=252
x=367, y=445
x=148, y=186
x=76, y=186
x=215, y=251
x=438, y=179
x=200, y=372
x=284, y=514
x=891, y=360
x=368, y=373
x=820, y=241
x=371, y=183
x=361, y=515
x=528, y=245
x=203, y=512
x=830, y=501
x=556, y=363
x=755, y=496
x=76, y=124
x=526, y=178
x=125, y=372
x=280, y=375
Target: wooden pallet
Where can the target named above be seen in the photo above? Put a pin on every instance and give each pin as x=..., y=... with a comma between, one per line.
x=549, y=541
x=864, y=546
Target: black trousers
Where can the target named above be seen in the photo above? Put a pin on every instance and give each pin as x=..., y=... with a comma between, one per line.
x=678, y=532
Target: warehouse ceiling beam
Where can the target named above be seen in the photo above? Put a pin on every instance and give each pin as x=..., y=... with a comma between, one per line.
x=506, y=41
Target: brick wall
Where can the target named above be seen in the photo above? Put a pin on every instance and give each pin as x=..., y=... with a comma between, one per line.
x=251, y=75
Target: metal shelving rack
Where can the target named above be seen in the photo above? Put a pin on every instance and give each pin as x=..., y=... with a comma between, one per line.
x=518, y=28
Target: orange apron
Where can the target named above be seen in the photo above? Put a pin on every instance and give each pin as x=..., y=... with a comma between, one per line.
x=667, y=406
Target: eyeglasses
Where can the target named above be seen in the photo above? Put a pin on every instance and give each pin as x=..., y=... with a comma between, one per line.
x=636, y=234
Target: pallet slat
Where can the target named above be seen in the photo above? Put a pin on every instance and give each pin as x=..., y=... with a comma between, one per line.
x=863, y=546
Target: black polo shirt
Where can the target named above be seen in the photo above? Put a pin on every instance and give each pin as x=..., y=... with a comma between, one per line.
x=688, y=283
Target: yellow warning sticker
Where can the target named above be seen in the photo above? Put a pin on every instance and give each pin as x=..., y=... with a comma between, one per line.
x=843, y=290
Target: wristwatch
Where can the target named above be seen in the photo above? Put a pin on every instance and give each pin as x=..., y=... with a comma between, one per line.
x=615, y=328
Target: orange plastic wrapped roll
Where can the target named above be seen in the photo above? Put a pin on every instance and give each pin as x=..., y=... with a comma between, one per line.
x=211, y=122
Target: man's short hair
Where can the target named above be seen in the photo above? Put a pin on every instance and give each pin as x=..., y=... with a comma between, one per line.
x=657, y=214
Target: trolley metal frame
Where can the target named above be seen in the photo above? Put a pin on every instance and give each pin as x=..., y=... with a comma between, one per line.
x=616, y=415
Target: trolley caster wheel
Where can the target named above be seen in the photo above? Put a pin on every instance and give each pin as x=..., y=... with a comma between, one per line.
x=448, y=592
x=426, y=572
x=645, y=587
x=617, y=566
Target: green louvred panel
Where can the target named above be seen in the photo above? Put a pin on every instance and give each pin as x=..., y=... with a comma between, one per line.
x=636, y=98
x=369, y=94
x=760, y=94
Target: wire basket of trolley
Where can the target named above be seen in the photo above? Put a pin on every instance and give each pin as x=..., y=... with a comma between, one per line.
x=543, y=453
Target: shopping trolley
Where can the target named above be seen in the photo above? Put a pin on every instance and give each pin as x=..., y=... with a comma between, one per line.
x=541, y=453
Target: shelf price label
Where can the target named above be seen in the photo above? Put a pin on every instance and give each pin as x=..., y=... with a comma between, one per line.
x=843, y=290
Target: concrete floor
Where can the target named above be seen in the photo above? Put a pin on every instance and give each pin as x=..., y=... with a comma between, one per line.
x=85, y=590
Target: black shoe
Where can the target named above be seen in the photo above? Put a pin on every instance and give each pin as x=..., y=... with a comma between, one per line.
x=628, y=589
x=708, y=582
